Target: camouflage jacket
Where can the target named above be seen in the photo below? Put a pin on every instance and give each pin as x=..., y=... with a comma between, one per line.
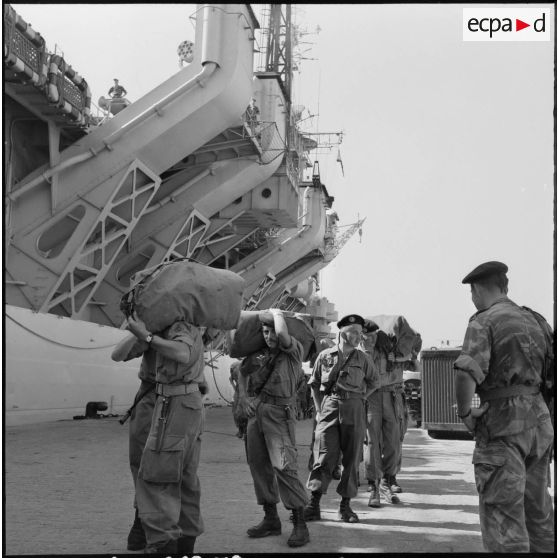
x=504, y=346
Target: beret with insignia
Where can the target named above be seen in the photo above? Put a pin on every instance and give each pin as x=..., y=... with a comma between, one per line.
x=351, y=319
x=485, y=270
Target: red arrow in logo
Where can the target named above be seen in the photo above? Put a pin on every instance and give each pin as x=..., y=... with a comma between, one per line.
x=519, y=25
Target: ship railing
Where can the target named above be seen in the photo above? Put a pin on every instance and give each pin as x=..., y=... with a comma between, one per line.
x=25, y=53
x=293, y=169
x=267, y=136
x=98, y=116
x=68, y=90
x=24, y=49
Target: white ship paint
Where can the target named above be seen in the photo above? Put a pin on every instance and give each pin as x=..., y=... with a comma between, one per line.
x=57, y=365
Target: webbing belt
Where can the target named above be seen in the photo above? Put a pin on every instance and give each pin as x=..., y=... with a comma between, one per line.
x=272, y=400
x=392, y=387
x=510, y=391
x=168, y=390
x=340, y=393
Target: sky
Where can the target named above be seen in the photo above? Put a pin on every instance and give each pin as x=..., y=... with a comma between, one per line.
x=447, y=149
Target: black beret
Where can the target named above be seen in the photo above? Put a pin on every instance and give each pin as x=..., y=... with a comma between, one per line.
x=351, y=319
x=485, y=270
x=370, y=325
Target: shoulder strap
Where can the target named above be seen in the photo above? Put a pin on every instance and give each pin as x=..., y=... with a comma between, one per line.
x=339, y=367
x=269, y=365
x=548, y=386
x=546, y=330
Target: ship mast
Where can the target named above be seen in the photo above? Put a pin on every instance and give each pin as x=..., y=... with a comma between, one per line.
x=279, y=47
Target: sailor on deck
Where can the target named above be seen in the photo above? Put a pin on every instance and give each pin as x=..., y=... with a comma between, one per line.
x=117, y=91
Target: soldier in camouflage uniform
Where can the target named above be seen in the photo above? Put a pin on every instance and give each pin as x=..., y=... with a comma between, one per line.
x=503, y=360
x=270, y=433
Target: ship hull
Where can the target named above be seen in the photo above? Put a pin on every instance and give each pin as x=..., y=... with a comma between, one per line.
x=55, y=366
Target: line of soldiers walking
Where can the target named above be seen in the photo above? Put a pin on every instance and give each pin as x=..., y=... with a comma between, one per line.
x=344, y=383
x=357, y=392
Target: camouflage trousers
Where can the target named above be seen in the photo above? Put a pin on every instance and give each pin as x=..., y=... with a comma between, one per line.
x=168, y=489
x=512, y=474
x=382, y=454
x=340, y=430
x=272, y=456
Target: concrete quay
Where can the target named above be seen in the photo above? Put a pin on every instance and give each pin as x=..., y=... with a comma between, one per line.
x=68, y=491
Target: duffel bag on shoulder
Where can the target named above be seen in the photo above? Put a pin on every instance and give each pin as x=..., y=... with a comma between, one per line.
x=248, y=337
x=406, y=338
x=187, y=291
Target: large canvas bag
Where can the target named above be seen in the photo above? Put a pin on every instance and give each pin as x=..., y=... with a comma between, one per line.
x=407, y=340
x=248, y=337
x=187, y=291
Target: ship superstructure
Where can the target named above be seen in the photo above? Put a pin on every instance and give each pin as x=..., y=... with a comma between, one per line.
x=209, y=165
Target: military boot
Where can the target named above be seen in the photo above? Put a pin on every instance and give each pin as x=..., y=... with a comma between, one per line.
x=312, y=509
x=346, y=514
x=185, y=545
x=300, y=535
x=374, y=500
x=270, y=524
x=136, y=536
x=395, y=488
x=386, y=492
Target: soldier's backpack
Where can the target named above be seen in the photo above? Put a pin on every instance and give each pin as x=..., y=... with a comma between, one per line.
x=548, y=386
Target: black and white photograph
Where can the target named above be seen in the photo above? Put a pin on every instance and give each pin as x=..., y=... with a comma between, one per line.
x=279, y=278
